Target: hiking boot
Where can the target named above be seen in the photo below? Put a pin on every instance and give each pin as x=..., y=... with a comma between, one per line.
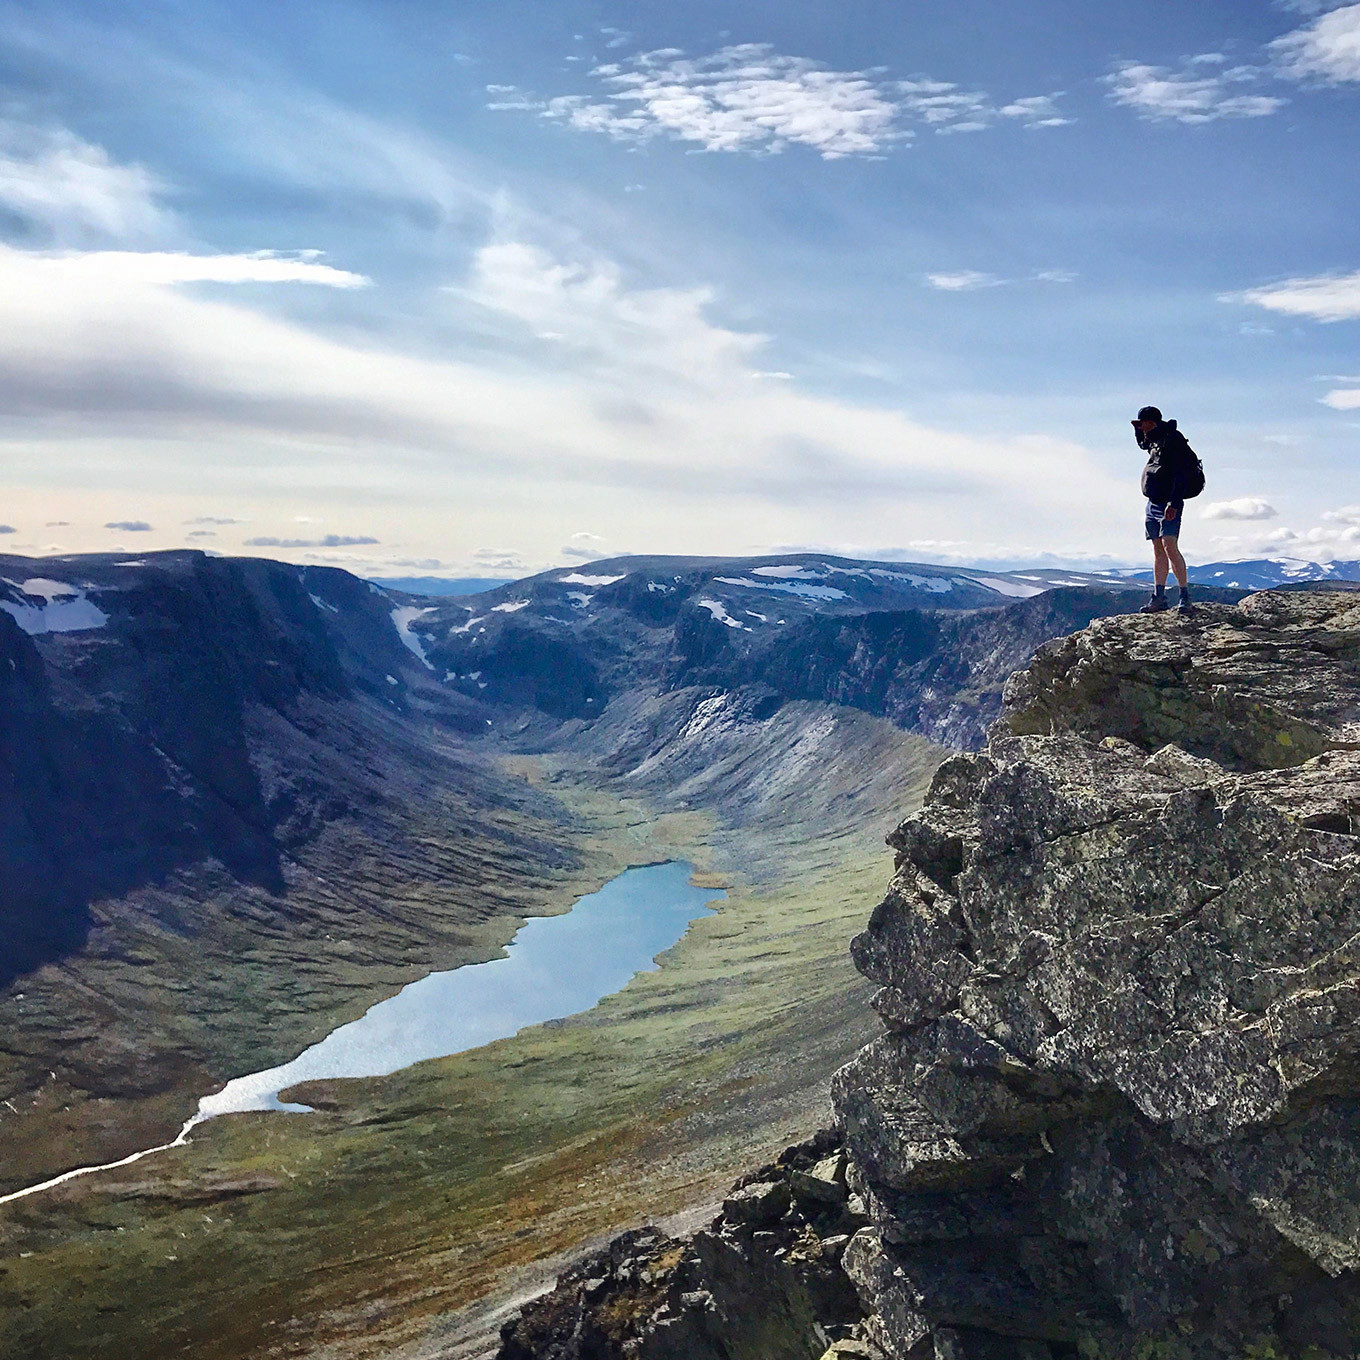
x=1185, y=607
x=1156, y=605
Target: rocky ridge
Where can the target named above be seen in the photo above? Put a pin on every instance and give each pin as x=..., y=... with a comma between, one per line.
x=1115, y=1107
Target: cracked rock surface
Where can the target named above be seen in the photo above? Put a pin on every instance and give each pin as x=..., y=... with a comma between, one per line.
x=1115, y=1107
x=1115, y=1103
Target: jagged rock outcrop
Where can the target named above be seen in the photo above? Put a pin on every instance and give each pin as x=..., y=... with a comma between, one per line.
x=1115, y=1110
x=763, y=1280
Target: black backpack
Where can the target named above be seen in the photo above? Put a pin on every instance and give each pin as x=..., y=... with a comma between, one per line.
x=1189, y=470
x=1192, y=475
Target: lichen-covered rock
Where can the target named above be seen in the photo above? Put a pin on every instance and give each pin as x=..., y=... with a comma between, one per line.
x=1116, y=1103
x=1264, y=684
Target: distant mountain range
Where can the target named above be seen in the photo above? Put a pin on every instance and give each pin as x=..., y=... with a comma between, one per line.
x=1268, y=572
x=1256, y=574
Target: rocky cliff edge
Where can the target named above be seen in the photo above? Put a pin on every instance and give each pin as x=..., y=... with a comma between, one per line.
x=1115, y=1107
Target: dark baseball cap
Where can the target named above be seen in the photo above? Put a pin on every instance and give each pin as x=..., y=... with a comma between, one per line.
x=1149, y=413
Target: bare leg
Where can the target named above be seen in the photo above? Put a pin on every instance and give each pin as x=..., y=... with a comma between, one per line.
x=1160, y=563
x=1171, y=551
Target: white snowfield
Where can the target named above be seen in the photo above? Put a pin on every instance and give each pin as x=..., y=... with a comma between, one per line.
x=1001, y=587
x=715, y=608
x=65, y=608
x=402, y=619
x=510, y=607
x=577, y=579
x=937, y=585
x=785, y=588
x=791, y=572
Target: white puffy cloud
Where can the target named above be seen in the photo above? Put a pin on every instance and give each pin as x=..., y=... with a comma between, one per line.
x=586, y=547
x=71, y=189
x=1244, y=507
x=1343, y=399
x=1202, y=90
x=1323, y=297
x=750, y=98
x=1328, y=49
x=1335, y=535
x=1036, y=111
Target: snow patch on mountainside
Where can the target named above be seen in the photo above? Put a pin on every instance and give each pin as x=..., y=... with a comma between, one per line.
x=65, y=608
x=786, y=588
x=1004, y=587
x=402, y=618
x=720, y=613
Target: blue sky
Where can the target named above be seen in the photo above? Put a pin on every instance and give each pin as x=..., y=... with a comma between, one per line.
x=477, y=289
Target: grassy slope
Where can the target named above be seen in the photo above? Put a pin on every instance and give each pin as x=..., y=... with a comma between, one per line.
x=187, y=981
x=412, y=1196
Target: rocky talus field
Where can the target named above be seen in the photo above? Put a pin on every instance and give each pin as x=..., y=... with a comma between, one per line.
x=1114, y=1106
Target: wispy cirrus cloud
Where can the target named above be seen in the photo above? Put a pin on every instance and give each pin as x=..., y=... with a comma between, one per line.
x=1203, y=89
x=66, y=188
x=970, y=280
x=175, y=267
x=328, y=541
x=1322, y=297
x=963, y=281
x=648, y=399
x=750, y=98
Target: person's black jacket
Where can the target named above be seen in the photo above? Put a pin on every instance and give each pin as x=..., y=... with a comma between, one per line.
x=1170, y=458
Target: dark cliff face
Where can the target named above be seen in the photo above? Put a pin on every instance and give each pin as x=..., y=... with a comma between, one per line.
x=126, y=747
x=1115, y=1107
x=123, y=748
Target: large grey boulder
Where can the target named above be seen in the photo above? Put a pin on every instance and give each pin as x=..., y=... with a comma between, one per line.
x=1116, y=1102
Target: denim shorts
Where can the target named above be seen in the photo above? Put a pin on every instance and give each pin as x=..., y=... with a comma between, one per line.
x=1157, y=527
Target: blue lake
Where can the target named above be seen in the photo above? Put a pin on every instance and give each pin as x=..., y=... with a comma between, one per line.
x=556, y=966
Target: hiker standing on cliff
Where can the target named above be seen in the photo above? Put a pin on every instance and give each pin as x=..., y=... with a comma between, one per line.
x=1173, y=474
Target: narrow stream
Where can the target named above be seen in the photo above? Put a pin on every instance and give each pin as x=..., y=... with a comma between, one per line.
x=556, y=966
